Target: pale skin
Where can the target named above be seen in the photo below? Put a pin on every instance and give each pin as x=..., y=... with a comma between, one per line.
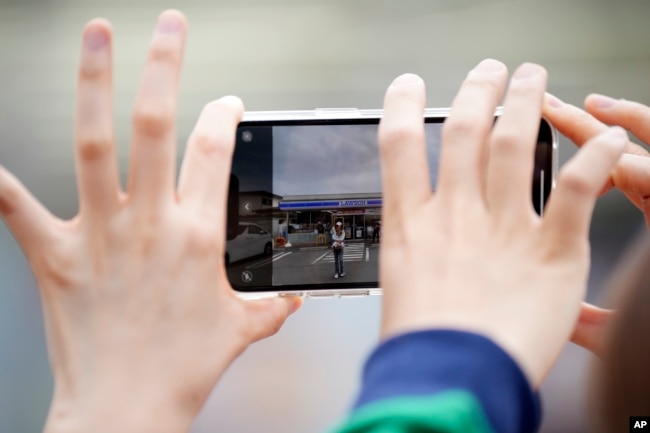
x=491, y=265
x=140, y=318
x=631, y=175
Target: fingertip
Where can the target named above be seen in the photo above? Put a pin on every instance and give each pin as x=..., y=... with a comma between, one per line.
x=98, y=23
x=97, y=33
x=226, y=105
x=406, y=90
x=232, y=101
x=296, y=304
x=408, y=79
x=171, y=21
x=530, y=70
x=599, y=102
x=174, y=13
x=490, y=66
x=552, y=101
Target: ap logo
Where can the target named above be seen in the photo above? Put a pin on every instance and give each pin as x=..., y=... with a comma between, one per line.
x=640, y=423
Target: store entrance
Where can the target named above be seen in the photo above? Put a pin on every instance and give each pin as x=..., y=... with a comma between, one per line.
x=354, y=225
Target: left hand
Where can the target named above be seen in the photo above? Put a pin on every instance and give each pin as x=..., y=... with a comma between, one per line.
x=140, y=318
x=631, y=175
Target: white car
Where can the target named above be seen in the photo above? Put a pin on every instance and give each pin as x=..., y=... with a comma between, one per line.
x=250, y=241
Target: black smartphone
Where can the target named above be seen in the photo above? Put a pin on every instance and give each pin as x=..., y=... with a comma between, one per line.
x=305, y=202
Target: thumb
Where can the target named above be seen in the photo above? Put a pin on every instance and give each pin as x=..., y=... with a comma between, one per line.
x=266, y=316
x=591, y=330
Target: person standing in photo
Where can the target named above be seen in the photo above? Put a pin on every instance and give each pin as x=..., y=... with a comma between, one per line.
x=375, y=231
x=338, y=236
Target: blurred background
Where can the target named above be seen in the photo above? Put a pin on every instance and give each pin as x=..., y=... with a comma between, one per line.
x=294, y=54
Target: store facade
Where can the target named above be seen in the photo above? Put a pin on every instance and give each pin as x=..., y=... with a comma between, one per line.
x=357, y=213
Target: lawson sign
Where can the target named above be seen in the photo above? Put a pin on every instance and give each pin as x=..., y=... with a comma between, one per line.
x=329, y=204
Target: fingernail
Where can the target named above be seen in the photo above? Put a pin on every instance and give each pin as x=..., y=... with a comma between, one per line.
x=603, y=101
x=554, y=101
x=528, y=70
x=95, y=39
x=408, y=80
x=490, y=66
x=169, y=23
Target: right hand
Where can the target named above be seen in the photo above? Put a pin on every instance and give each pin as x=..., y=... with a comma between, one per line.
x=474, y=256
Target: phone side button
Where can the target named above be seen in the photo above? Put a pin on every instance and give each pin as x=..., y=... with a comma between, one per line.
x=356, y=294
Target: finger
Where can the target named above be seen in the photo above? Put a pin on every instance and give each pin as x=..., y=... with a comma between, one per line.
x=630, y=115
x=633, y=177
x=31, y=224
x=402, y=148
x=579, y=182
x=268, y=315
x=153, y=149
x=512, y=144
x=206, y=167
x=580, y=126
x=591, y=330
x=98, y=179
x=465, y=133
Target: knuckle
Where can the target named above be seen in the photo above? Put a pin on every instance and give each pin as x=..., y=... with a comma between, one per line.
x=481, y=84
x=165, y=50
x=576, y=181
x=93, y=148
x=153, y=120
x=459, y=126
x=276, y=322
x=582, y=126
x=393, y=137
x=202, y=241
x=92, y=72
x=506, y=141
x=208, y=146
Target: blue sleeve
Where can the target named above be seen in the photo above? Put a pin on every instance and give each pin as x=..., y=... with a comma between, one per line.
x=435, y=361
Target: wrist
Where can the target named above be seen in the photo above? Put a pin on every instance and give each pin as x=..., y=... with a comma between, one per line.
x=124, y=413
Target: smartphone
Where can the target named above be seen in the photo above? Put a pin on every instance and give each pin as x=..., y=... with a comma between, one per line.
x=298, y=175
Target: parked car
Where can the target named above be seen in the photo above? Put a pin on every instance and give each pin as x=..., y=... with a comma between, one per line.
x=250, y=241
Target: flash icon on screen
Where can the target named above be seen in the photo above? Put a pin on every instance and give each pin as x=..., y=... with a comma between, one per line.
x=247, y=276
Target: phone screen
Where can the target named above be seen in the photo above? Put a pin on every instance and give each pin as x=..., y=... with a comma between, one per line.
x=297, y=187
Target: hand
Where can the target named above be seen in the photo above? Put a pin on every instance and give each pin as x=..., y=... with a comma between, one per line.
x=140, y=318
x=631, y=175
x=474, y=256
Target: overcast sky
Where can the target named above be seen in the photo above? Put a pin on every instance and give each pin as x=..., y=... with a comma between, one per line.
x=334, y=159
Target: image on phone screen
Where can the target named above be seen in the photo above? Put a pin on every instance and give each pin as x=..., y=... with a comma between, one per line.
x=305, y=194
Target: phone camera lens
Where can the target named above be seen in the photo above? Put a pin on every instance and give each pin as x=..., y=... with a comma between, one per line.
x=247, y=136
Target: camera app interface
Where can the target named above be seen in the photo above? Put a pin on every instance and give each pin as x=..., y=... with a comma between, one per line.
x=305, y=205
x=305, y=202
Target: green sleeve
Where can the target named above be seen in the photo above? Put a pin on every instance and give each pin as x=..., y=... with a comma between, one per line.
x=447, y=412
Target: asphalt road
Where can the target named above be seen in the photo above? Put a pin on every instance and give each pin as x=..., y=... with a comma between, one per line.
x=307, y=265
